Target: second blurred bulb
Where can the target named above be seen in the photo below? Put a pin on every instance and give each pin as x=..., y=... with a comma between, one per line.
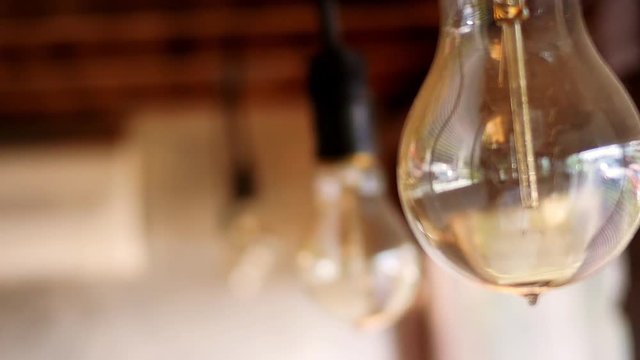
x=359, y=263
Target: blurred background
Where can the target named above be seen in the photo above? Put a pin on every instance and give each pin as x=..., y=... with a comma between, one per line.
x=157, y=165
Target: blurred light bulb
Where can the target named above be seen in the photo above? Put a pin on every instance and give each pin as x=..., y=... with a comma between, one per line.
x=254, y=252
x=360, y=262
x=520, y=160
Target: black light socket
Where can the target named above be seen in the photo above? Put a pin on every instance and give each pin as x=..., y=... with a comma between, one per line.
x=339, y=91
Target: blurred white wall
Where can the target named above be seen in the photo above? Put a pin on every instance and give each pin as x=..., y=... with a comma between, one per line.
x=181, y=306
x=70, y=212
x=584, y=321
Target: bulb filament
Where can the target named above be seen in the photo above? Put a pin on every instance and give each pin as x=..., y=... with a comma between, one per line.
x=510, y=14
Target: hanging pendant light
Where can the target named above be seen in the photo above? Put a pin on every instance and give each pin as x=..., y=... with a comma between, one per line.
x=254, y=248
x=360, y=262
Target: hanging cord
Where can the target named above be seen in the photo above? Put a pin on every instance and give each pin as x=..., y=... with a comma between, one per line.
x=329, y=23
x=240, y=149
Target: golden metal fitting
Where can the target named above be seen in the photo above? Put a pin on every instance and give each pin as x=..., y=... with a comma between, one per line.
x=509, y=12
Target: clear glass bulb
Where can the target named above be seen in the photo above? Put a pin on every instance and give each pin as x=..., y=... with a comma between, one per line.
x=360, y=262
x=254, y=251
x=520, y=161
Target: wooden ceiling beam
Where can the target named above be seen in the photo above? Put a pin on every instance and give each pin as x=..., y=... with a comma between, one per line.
x=255, y=66
x=214, y=23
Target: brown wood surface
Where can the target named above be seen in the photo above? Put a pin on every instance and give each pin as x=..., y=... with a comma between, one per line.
x=67, y=61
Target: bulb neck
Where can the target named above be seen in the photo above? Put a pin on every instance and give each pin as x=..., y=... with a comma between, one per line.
x=545, y=17
x=359, y=174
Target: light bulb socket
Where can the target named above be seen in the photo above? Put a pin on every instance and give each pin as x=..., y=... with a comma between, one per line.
x=341, y=103
x=244, y=184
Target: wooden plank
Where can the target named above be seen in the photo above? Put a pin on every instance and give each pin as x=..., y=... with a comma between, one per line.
x=261, y=66
x=215, y=23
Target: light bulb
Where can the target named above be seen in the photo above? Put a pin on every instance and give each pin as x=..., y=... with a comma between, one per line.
x=520, y=160
x=360, y=262
x=254, y=252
